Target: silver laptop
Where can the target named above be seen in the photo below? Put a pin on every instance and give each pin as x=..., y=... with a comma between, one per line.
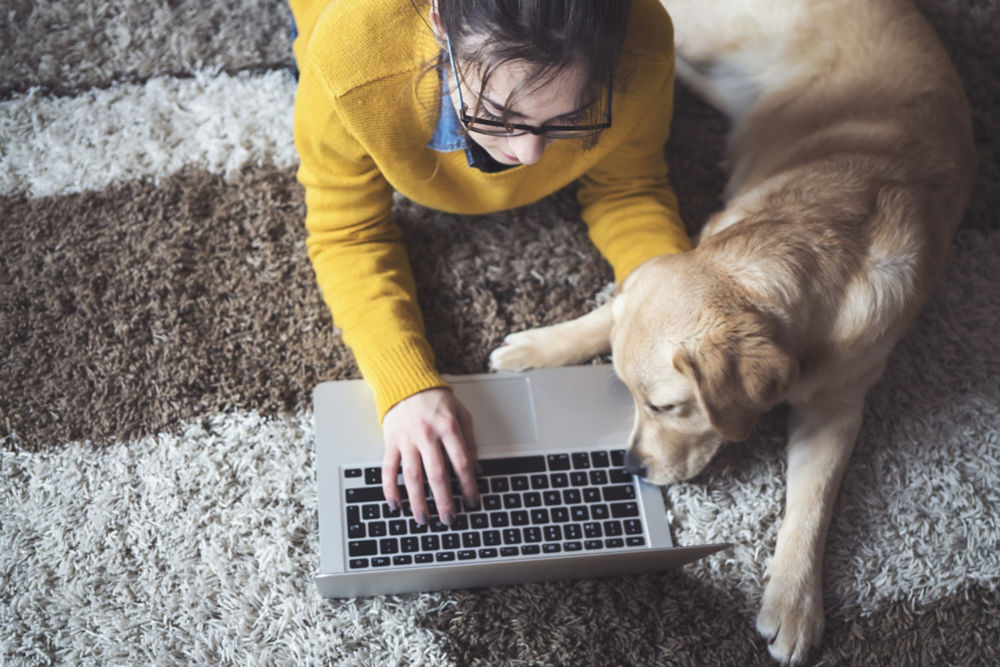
x=557, y=502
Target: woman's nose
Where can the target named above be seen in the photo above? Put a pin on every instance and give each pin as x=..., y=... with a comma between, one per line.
x=527, y=147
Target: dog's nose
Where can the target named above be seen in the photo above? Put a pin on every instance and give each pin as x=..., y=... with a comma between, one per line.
x=634, y=465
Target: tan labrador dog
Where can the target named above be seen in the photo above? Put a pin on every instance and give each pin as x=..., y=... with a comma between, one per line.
x=851, y=163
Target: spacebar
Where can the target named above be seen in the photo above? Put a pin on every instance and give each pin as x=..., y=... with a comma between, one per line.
x=512, y=465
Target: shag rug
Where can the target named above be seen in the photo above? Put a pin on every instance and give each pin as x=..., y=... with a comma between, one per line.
x=160, y=333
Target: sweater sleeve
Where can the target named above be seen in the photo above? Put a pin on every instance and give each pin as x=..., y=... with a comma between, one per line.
x=357, y=251
x=627, y=201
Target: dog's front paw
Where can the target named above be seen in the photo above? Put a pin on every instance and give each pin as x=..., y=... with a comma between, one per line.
x=520, y=351
x=791, y=616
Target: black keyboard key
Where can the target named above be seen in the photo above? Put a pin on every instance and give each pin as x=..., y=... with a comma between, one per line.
x=512, y=536
x=572, y=497
x=466, y=555
x=353, y=515
x=356, y=563
x=369, y=512
x=511, y=501
x=533, y=499
x=592, y=495
x=356, y=531
x=517, y=465
x=619, y=476
x=613, y=528
x=539, y=482
x=633, y=527
x=450, y=541
x=430, y=543
x=438, y=526
x=572, y=531
x=620, y=510
x=592, y=529
x=579, y=478
x=444, y=556
x=572, y=546
x=373, y=476
x=508, y=551
x=520, y=483
x=530, y=550
x=614, y=543
x=402, y=560
x=381, y=561
x=488, y=553
x=353, y=472
x=368, y=494
x=579, y=513
x=362, y=548
x=636, y=541
x=539, y=516
x=416, y=528
x=533, y=534
x=423, y=558
x=479, y=520
x=470, y=540
x=551, y=548
x=491, y=538
x=389, y=513
x=560, y=514
x=558, y=461
x=600, y=459
x=397, y=527
x=491, y=502
x=580, y=460
x=559, y=480
x=599, y=512
x=483, y=486
x=553, y=533
x=499, y=485
x=409, y=544
x=618, y=457
x=461, y=522
x=593, y=544
x=622, y=492
x=598, y=477
x=519, y=518
x=499, y=520
x=388, y=546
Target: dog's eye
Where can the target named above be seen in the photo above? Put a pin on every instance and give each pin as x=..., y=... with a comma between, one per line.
x=661, y=408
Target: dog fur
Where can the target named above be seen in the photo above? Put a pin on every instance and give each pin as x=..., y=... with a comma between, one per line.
x=851, y=163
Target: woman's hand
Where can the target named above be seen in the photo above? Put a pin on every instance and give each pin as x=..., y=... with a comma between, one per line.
x=416, y=430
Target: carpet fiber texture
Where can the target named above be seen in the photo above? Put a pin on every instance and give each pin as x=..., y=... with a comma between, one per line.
x=161, y=332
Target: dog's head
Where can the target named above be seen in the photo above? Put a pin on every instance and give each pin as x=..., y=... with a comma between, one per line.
x=701, y=366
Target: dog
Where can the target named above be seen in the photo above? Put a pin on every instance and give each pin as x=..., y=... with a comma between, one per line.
x=851, y=163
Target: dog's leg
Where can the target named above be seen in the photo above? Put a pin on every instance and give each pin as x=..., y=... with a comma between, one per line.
x=561, y=344
x=820, y=440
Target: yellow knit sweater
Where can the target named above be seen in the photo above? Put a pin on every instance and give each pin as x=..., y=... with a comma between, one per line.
x=363, y=118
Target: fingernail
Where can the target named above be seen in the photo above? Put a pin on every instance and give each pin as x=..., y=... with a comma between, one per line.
x=448, y=519
x=393, y=505
x=421, y=518
x=472, y=503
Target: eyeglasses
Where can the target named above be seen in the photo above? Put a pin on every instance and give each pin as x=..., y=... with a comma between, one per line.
x=497, y=128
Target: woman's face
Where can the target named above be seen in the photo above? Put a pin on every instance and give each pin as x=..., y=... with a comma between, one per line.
x=553, y=102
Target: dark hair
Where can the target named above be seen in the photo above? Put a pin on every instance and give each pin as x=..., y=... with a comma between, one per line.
x=552, y=35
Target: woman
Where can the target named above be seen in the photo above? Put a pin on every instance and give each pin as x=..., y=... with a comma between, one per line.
x=470, y=107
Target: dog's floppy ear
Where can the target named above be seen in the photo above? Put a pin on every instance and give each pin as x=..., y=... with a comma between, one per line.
x=739, y=372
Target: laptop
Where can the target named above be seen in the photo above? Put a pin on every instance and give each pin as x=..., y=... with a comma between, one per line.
x=557, y=502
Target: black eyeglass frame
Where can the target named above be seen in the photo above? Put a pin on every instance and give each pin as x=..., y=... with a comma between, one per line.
x=504, y=129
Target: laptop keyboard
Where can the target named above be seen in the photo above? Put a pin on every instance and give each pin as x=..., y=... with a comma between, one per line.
x=532, y=506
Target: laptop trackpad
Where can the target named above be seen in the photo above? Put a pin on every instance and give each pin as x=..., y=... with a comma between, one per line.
x=502, y=410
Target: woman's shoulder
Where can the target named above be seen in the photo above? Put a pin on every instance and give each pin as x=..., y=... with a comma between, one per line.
x=650, y=31
x=356, y=42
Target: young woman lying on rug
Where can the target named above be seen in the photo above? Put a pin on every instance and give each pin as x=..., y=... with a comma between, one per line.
x=469, y=107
